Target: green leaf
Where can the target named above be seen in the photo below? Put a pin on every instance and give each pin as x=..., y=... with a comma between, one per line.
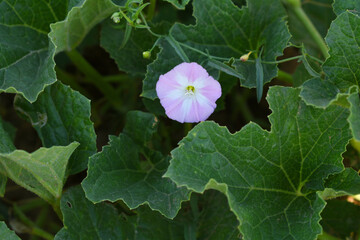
x=61, y=116
x=341, y=6
x=271, y=178
x=84, y=220
x=6, y=233
x=130, y=57
x=354, y=118
x=119, y=173
x=180, y=4
x=319, y=92
x=341, y=219
x=69, y=33
x=41, y=172
x=224, y=30
x=345, y=183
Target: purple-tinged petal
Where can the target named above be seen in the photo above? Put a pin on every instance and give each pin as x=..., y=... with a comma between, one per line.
x=192, y=71
x=211, y=89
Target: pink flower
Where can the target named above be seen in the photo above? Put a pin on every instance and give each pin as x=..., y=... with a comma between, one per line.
x=188, y=93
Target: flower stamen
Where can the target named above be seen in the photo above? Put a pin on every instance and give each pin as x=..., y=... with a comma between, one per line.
x=190, y=90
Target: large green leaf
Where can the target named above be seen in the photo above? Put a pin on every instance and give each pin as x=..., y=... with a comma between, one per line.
x=61, y=116
x=85, y=220
x=271, y=178
x=224, y=30
x=130, y=57
x=6, y=233
x=80, y=20
x=41, y=172
x=119, y=173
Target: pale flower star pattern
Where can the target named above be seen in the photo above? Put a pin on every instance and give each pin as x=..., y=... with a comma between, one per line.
x=188, y=93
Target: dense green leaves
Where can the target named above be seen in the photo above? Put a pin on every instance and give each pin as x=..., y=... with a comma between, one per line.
x=270, y=178
x=118, y=172
x=224, y=30
x=342, y=68
x=84, y=220
x=130, y=57
x=41, y=172
x=5, y=233
x=61, y=116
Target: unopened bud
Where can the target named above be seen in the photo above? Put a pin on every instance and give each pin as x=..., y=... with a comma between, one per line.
x=245, y=57
x=146, y=54
x=116, y=17
x=138, y=21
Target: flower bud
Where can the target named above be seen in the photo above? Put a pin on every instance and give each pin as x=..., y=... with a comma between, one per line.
x=138, y=21
x=245, y=57
x=116, y=17
x=146, y=54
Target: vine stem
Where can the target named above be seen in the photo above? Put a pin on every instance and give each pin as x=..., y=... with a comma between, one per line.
x=33, y=228
x=93, y=76
x=295, y=6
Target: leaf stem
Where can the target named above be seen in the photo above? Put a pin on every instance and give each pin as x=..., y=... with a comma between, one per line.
x=95, y=78
x=284, y=76
x=295, y=6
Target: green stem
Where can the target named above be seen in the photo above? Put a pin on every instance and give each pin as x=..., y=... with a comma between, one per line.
x=41, y=220
x=33, y=229
x=284, y=76
x=326, y=236
x=95, y=78
x=70, y=80
x=151, y=9
x=187, y=128
x=295, y=6
x=118, y=78
x=30, y=204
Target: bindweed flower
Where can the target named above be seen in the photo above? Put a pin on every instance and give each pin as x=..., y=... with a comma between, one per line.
x=188, y=93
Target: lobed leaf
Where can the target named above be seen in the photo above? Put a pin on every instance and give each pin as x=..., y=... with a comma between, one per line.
x=61, y=116
x=119, y=173
x=180, y=4
x=271, y=178
x=341, y=6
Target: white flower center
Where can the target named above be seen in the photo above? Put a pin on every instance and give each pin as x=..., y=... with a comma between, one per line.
x=190, y=90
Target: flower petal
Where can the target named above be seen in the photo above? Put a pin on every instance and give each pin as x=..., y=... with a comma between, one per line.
x=211, y=89
x=192, y=71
